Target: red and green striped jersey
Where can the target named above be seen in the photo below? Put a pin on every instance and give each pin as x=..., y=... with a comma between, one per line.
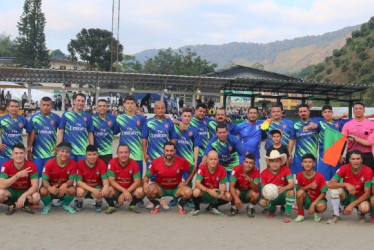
x=130, y=129
x=45, y=127
x=77, y=126
x=302, y=181
x=55, y=174
x=186, y=142
x=8, y=170
x=242, y=180
x=125, y=175
x=103, y=133
x=279, y=179
x=361, y=180
x=169, y=177
x=212, y=180
x=11, y=133
x=157, y=132
x=91, y=176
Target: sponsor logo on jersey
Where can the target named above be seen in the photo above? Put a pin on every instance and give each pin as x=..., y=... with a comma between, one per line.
x=137, y=123
x=362, y=179
x=166, y=125
x=109, y=123
x=130, y=171
x=190, y=133
x=97, y=173
x=284, y=126
x=52, y=122
x=229, y=148
x=336, y=125
x=20, y=125
x=85, y=119
x=282, y=178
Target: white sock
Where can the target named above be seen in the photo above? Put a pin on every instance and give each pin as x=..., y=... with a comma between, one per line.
x=233, y=206
x=336, y=206
x=250, y=205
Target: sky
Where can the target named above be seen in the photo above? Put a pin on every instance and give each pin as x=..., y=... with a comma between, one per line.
x=157, y=24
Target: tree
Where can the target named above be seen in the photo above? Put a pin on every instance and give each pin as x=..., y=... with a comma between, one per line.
x=258, y=65
x=178, y=63
x=130, y=64
x=94, y=47
x=58, y=54
x=6, y=47
x=30, y=47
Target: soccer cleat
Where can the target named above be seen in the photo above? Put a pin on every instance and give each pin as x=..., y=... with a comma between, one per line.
x=250, y=212
x=334, y=219
x=232, y=212
x=110, y=210
x=180, y=209
x=46, y=209
x=287, y=218
x=317, y=217
x=172, y=203
x=150, y=205
x=164, y=203
x=156, y=209
x=134, y=209
x=98, y=206
x=69, y=209
x=27, y=209
x=194, y=212
x=78, y=205
x=299, y=218
x=11, y=209
x=34, y=206
x=271, y=213
x=141, y=204
x=215, y=211
x=190, y=204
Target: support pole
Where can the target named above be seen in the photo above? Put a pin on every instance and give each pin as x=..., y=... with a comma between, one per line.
x=350, y=106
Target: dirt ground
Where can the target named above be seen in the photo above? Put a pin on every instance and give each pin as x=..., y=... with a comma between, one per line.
x=169, y=230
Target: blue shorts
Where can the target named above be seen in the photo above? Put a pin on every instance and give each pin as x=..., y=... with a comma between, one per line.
x=140, y=165
x=39, y=162
x=77, y=157
x=327, y=170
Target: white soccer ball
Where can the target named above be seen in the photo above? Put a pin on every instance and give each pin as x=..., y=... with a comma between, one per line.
x=270, y=191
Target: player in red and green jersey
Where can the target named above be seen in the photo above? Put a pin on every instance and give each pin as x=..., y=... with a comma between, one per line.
x=104, y=124
x=76, y=127
x=244, y=186
x=42, y=129
x=19, y=182
x=351, y=187
x=130, y=126
x=11, y=126
x=92, y=181
x=125, y=182
x=280, y=175
x=59, y=175
x=156, y=132
x=311, y=190
x=210, y=186
x=168, y=170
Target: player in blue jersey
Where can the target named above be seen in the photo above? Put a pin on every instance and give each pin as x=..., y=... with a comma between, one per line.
x=251, y=135
x=156, y=132
x=221, y=117
x=130, y=127
x=306, y=131
x=11, y=126
x=42, y=130
x=103, y=124
x=76, y=127
x=228, y=147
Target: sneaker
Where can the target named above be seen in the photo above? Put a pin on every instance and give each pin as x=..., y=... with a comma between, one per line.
x=287, y=218
x=164, y=203
x=27, y=209
x=173, y=202
x=98, y=206
x=334, y=219
x=180, y=209
x=250, y=212
x=299, y=218
x=150, y=205
x=11, y=209
x=134, y=209
x=59, y=203
x=207, y=209
x=110, y=210
x=271, y=213
x=156, y=209
x=232, y=212
x=69, y=209
x=361, y=218
x=190, y=204
x=46, y=209
x=215, y=211
x=194, y=212
x=116, y=204
x=317, y=217
x=141, y=204
x=78, y=205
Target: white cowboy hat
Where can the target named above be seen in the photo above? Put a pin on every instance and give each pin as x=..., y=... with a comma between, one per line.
x=274, y=154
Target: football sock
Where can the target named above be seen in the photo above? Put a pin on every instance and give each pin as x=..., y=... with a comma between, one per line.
x=335, y=205
x=68, y=199
x=46, y=200
x=197, y=201
x=110, y=202
x=290, y=200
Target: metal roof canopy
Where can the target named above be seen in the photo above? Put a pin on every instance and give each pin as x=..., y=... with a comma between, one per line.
x=178, y=84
